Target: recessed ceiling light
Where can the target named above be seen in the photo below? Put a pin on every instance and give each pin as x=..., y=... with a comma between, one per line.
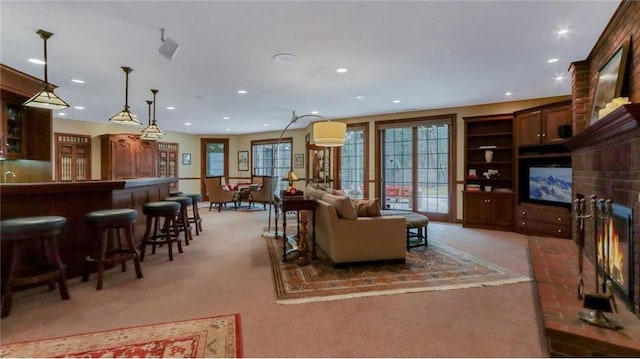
x=552, y=61
x=562, y=31
x=508, y=93
x=187, y=123
x=242, y=92
x=363, y=97
x=77, y=81
x=225, y=117
x=266, y=125
x=227, y=129
x=341, y=70
x=396, y=101
x=61, y=114
x=36, y=61
x=559, y=77
x=79, y=107
x=284, y=58
x=314, y=112
x=170, y=108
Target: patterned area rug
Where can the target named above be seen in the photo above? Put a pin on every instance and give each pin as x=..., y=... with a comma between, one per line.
x=439, y=267
x=214, y=337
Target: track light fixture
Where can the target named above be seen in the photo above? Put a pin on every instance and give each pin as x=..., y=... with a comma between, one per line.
x=169, y=47
x=125, y=117
x=46, y=98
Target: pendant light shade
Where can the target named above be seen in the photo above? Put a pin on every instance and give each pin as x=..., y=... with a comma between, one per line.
x=153, y=129
x=46, y=98
x=146, y=135
x=329, y=133
x=125, y=117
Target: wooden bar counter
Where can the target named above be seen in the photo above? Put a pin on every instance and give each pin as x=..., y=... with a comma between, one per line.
x=74, y=200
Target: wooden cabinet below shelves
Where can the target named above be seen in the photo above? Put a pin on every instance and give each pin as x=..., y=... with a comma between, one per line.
x=488, y=210
x=543, y=220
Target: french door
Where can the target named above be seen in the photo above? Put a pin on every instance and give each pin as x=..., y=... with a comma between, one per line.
x=352, y=166
x=416, y=166
x=215, y=160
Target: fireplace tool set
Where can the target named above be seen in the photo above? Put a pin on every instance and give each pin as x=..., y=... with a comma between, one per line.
x=603, y=299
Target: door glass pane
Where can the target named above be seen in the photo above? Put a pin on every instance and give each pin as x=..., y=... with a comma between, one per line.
x=352, y=164
x=262, y=161
x=398, y=168
x=433, y=168
x=215, y=159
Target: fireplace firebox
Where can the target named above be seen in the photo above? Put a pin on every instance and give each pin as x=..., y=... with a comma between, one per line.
x=615, y=251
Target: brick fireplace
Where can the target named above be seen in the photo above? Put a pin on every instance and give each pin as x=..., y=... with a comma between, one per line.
x=606, y=154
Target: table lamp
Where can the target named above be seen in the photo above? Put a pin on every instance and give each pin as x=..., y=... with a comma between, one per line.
x=291, y=177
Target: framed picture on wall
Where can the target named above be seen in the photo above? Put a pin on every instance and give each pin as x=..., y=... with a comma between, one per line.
x=298, y=160
x=610, y=80
x=243, y=160
x=186, y=158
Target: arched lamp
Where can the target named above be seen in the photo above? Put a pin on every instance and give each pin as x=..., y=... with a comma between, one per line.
x=326, y=133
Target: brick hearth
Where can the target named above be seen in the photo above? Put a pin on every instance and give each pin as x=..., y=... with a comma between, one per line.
x=555, y=268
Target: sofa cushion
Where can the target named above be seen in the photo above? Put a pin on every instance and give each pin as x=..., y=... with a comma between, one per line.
x=342, y=204
x=338, y=192
x=367, y=207
x=312, y=191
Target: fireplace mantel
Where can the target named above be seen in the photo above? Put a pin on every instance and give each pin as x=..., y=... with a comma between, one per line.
x=623, y=119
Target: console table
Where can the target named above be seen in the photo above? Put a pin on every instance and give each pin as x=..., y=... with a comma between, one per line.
x=288, y=203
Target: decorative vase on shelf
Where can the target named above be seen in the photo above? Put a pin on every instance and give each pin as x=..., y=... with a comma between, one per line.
x=488, y=156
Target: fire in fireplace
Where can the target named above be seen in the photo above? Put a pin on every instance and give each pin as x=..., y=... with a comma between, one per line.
x=615, y=251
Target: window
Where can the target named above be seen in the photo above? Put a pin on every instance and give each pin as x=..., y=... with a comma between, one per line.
x=353, y=156
x=262, y=159
x=416, y=165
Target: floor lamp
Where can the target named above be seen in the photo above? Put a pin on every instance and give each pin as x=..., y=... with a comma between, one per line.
x=325, y=133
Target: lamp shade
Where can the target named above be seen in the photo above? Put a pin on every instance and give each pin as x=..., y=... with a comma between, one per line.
x=290, y=176
x=329, y=133
x=47, y=99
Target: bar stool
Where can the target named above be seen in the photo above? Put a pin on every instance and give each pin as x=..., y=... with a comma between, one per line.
x=168, y=210
x=195, y=198
x=175, y=193
x=183, y=216
x=18, y=232
x=104, y=224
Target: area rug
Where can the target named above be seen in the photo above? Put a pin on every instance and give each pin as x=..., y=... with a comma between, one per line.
x=439, y=267
x=213, y=337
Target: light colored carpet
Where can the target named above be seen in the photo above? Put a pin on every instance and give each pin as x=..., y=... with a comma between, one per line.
x=215, y=337
x=227, y=270
x=438, y=267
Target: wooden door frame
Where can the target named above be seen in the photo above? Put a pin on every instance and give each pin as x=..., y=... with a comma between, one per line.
x=203, y=161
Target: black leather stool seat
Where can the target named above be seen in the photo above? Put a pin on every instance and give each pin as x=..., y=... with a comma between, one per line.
x=161, y=208
x=196, y=197
x=100, y=223
x=28, y=227
x=112, y=217
x=183, y=200
x=175, y=193
x=18, y=233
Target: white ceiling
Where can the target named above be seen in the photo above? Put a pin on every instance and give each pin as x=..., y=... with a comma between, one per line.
x=428, y=54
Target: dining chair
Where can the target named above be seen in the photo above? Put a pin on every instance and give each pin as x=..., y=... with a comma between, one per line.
x=217, y=195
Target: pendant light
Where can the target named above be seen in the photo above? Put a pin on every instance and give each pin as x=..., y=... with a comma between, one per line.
x=46, y=98
x=153, y=128
x=125, y=117
x=145, y=135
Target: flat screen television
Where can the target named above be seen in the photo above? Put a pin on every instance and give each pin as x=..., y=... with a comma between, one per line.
x=550, y=184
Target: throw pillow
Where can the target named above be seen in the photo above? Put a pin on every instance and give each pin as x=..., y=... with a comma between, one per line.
x=367, y=207
x=342, y=204
x=338, y=192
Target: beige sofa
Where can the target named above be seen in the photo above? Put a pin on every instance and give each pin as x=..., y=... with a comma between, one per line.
x=357, y=240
